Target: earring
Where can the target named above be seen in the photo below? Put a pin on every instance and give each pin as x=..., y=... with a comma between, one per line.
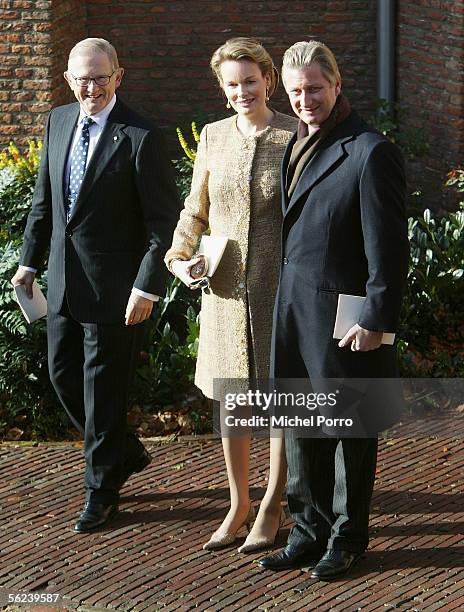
x=267, y=94
x=228, y=104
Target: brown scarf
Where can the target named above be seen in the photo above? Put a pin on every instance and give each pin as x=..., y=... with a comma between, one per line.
x=306, y=145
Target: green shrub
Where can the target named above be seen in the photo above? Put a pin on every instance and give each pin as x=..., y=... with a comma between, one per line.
x=168, y=363
x=410, y=140
x=27, y=400
x=432, y=332
x=432, y=323
x=184, y=167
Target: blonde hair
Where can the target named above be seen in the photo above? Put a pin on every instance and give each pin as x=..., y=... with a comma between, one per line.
x=245, y=48
x=303, y=53
x=99, y=45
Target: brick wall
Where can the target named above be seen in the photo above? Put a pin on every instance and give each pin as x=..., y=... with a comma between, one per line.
x=430, y=81
x=165, y=47
x=25, y=68
x=68, y=27
x=35, y=38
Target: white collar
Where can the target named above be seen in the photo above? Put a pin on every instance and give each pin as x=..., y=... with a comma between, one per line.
x=101, y=117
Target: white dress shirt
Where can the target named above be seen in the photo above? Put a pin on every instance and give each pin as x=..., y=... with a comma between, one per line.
x=95, y=131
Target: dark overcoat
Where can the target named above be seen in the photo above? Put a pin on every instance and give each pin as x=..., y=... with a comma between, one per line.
x=344, y=231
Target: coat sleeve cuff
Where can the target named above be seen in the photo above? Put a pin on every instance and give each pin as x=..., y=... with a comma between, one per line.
x=28, y=268
x=148, y=296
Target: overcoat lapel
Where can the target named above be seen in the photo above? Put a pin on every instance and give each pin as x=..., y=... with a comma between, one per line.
x=59, y=145
x=324, y=161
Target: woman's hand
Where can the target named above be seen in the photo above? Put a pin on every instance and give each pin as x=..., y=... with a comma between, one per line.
x=181, y=269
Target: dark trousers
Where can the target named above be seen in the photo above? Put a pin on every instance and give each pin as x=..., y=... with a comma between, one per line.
x=91, y=367
x=330, y=479
x=330, y=483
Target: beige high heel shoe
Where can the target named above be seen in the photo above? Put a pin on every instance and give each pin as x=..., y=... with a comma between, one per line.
x=229, y=538
x=251, y=545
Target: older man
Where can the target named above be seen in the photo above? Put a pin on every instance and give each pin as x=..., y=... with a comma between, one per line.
x=105, y=203
x=344, y=231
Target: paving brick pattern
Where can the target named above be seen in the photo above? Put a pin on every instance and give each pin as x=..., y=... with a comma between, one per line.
x=151, y=556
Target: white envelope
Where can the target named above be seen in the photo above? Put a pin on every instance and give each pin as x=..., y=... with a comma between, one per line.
x=348, y=312
x=212, y=247
x=34, y=308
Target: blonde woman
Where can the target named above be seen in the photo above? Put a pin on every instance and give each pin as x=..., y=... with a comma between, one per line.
x=236, y=193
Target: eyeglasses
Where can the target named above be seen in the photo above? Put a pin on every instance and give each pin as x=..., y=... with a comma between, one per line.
x=100, y=80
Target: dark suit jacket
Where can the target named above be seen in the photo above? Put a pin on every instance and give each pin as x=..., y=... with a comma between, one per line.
x=344, y=231
x=122, y=221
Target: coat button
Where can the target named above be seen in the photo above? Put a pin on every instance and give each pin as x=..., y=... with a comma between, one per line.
x=285, y=261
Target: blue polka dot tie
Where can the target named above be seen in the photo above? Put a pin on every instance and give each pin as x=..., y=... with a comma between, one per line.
x=78, y=164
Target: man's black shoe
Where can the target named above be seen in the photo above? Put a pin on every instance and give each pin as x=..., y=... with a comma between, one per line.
x=335, y=563
x=137, y=465
x=94, y=515
x=292, y=557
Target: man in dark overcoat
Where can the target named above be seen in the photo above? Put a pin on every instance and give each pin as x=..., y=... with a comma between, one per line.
x=344, y=232
x=105, y=204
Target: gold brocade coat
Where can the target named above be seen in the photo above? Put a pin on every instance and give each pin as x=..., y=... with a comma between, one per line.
x=236, y=193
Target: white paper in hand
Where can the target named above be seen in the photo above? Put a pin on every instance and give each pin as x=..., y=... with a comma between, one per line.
x=212, y=247
x=348, y=313
x=34, y=308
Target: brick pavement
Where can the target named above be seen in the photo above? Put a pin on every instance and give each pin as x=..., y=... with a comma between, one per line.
x=150, y=558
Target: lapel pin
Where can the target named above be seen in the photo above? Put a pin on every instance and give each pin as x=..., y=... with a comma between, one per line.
x=115, y=138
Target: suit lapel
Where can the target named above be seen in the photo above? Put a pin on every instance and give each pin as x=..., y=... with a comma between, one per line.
x=324, y=160
x=109, y=142
x=60, y=143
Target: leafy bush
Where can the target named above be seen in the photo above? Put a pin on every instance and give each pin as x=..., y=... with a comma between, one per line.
x=184, y=165
x=433, y=329
x=432, y=332
x=168, y=362
x=27, y=400
x=410, y=140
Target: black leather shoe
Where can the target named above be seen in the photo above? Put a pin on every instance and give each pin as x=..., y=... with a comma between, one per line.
x=335, y=563
x=94, y=515
x=292, y=557
x=137, y=465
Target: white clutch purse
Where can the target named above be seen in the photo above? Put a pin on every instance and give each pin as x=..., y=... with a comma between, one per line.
x=212, y=248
